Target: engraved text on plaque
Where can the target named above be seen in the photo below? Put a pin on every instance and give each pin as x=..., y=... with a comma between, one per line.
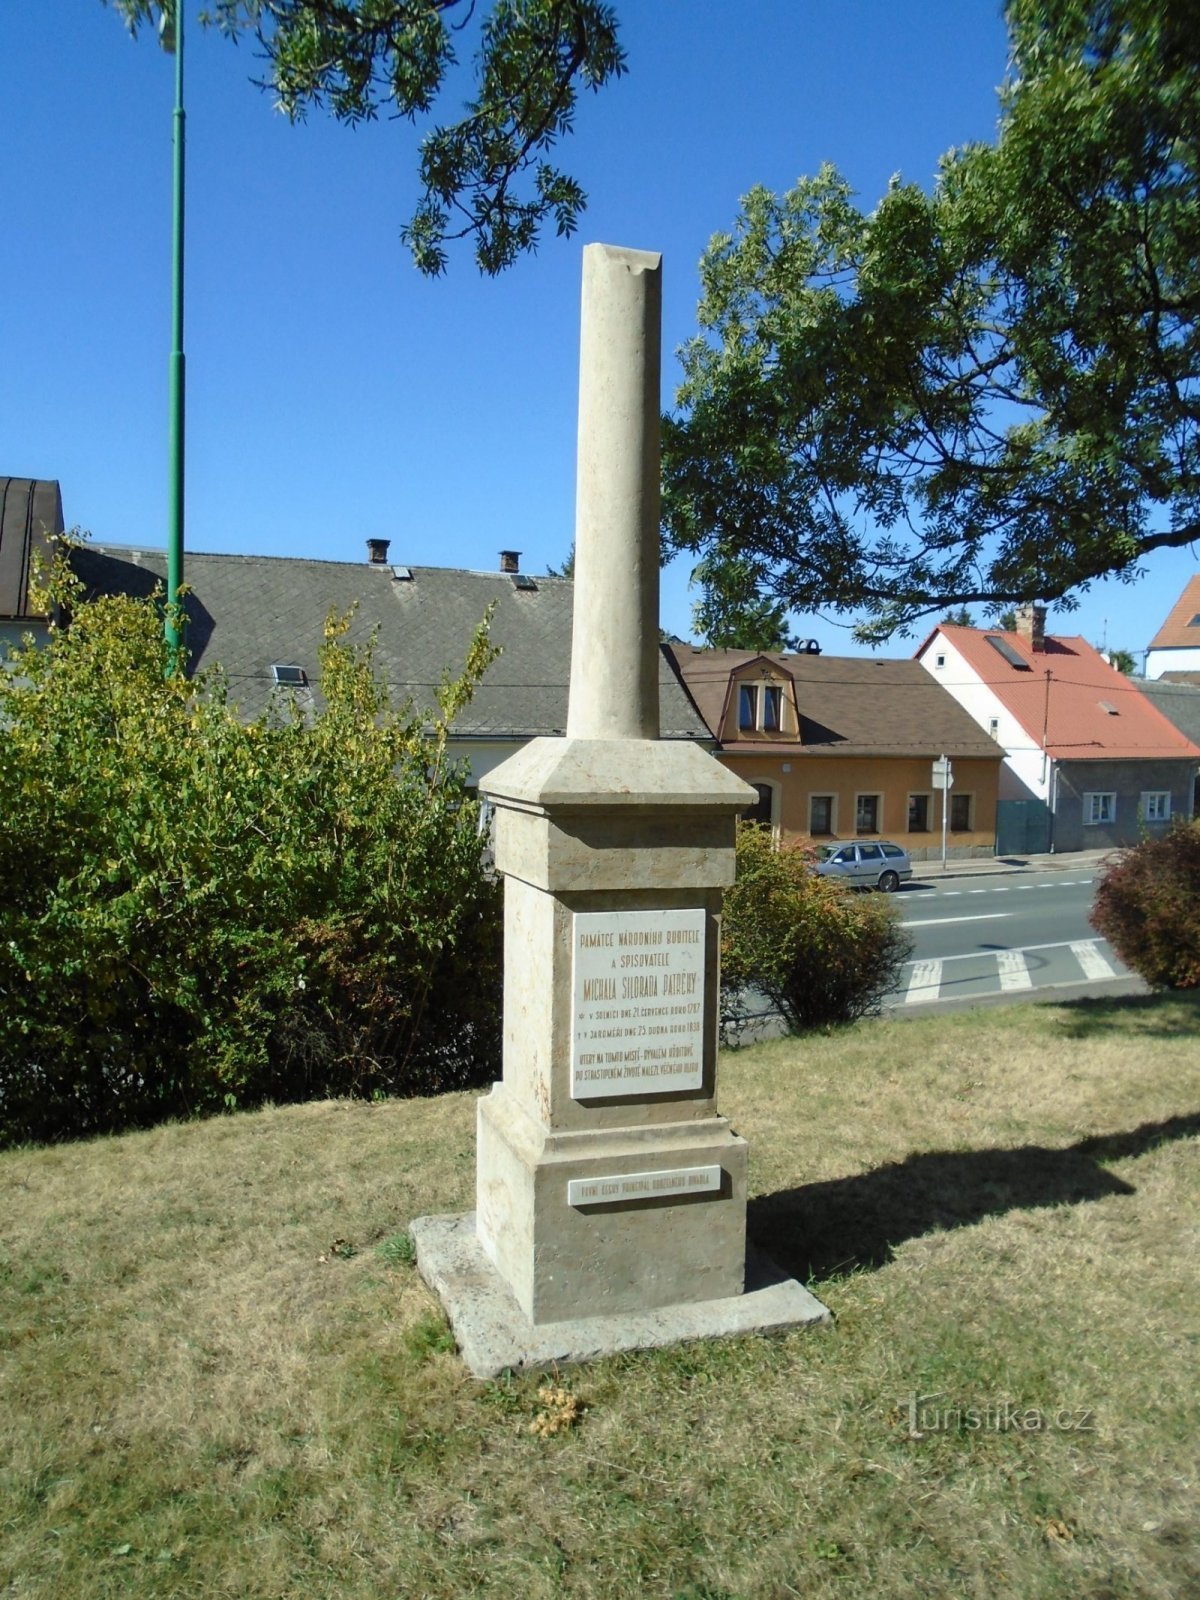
x=637, y=1023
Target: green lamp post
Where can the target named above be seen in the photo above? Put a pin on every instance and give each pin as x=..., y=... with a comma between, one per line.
x=170, y=34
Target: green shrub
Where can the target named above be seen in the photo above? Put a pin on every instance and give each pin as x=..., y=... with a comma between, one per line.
x=200, y=913
x=1148, y=908
x=820, y=952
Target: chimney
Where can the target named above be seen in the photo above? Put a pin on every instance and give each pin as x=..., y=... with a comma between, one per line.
x=510, y=561
x=1031, y=626
x=377, y=550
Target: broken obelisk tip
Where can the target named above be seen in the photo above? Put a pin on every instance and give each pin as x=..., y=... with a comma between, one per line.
x=614, y=657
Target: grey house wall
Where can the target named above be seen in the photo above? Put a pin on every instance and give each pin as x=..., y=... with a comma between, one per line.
x=1128, y=780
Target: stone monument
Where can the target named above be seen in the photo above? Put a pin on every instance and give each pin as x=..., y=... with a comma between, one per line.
x=611, y=1193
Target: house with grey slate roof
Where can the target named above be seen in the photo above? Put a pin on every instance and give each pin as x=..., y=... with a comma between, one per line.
x=262, y=617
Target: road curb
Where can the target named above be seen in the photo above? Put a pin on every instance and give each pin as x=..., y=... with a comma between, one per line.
x=930, y=872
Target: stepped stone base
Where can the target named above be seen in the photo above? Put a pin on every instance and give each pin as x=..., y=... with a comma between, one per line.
x=494, y=1335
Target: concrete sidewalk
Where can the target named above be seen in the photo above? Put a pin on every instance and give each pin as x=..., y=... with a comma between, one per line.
x=979, y=866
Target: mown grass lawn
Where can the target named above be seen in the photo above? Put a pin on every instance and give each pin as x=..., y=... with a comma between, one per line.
x=223, y=1377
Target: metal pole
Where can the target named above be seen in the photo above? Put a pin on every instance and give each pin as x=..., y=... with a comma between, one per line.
x=945, y=809
x=174, y=627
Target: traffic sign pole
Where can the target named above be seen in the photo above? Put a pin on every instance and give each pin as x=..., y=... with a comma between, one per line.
x=943, y=779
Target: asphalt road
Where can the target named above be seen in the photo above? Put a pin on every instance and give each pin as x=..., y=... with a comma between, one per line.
x=989, y=937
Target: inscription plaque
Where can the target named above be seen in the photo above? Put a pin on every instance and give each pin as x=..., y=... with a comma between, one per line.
x=643, y=1185
x=638, y=1013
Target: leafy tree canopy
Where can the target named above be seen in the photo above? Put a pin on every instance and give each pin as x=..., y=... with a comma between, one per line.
x=984, y=394
x=732, y=614
x=356, y=58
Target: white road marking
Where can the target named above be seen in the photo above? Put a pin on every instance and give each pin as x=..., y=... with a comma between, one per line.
x=925, y=975
x=927, y=978
x=1014, y=970
x=1094, y=963
x=979, y=916
x=1025, y=949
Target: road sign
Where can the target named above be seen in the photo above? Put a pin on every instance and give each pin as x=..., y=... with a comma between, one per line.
x=943, y=774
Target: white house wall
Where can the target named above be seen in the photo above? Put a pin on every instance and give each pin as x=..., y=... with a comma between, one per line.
x=1024, y=769
x=1160, y=661
x=482, y=755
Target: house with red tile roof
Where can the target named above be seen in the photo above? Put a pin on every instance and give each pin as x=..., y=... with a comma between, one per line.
x=844, y=746
x=1089, y=762
x=1175, y=648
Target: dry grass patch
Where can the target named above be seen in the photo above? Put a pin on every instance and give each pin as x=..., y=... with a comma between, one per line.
x=222, y=1375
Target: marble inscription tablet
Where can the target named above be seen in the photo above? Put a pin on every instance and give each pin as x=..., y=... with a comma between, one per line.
x=643, y=1185
x=638, y=1012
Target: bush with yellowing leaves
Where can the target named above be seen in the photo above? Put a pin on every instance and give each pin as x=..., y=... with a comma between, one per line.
x=199, y=913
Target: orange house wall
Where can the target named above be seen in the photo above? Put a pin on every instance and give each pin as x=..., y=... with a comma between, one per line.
x=893, y=777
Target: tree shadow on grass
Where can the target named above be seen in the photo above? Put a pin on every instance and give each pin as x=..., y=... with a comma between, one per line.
x=853, y=1224
x=1160, y=1016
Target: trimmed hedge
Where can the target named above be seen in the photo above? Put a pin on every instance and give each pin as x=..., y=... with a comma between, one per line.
x=1148, y=908
x=821, y=952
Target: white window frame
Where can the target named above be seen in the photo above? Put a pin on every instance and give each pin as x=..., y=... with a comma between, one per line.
x=1099, y=807
x=750, y=689
x=823, y=794
x=1156, y=805
x=877, y=796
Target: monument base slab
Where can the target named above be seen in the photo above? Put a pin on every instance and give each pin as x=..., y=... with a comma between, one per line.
x=495, y=1336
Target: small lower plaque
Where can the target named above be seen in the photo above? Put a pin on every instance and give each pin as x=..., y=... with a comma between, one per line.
x=643, y=1185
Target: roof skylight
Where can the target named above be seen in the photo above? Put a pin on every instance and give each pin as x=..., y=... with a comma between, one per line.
x=290, y=677
x=1003, y=648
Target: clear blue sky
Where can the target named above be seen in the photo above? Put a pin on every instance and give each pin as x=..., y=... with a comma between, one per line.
x=333, y=393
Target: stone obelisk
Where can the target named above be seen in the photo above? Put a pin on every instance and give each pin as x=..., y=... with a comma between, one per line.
x=610, y=1193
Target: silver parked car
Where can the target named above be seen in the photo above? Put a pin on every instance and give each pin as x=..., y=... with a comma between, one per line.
x=871, y=863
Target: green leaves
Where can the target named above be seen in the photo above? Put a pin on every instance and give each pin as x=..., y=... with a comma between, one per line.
x=357, y=58
x=986, y=393
x=821, y=953
x=198, y=909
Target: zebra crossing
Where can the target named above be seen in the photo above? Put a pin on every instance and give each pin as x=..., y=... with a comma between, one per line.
x=979, y=973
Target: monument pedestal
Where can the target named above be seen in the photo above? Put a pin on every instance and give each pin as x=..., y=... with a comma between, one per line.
x=623, y=1219
x=495, y=1336
x=611, y=1194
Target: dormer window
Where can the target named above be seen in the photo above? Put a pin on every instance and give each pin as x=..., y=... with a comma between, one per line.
x=760, y=707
